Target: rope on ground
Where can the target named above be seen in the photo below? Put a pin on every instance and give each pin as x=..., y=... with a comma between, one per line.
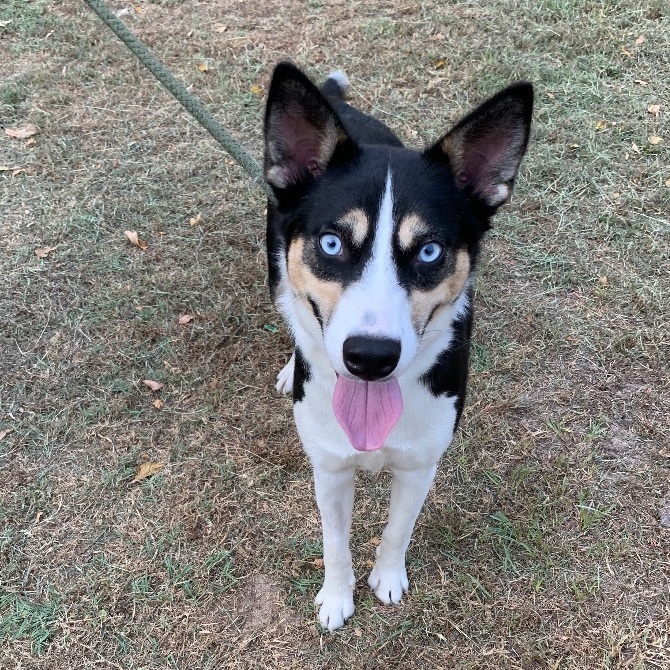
x=189, y=102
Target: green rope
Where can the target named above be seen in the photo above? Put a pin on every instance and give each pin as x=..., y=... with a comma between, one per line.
x=192, y=105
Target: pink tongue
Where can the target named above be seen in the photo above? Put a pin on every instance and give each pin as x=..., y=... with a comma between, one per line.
x=367, y=410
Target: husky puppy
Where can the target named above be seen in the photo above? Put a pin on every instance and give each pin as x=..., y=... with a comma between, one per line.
x=371, y=252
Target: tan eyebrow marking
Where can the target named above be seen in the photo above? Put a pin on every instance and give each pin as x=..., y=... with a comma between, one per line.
x=411, y=227
x=357, y=223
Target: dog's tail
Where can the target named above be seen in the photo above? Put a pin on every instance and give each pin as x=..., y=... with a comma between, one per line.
x=336, y=86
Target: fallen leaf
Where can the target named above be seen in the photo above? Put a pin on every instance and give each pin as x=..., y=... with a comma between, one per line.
x=133, y=237
x=195, y=220
x=158, y=403
x=203, y=67
x=43, y=252
x=185, y=318
x=256, y=89
x=221, y=29
x=4, y=24
x=147, y=470
x=601, y=125
x=635, y=148
x=440, y=64
x=138, y=9
x=625, y=52
x=642, y=82
x=640, y=40
x=376, y=541
x=667, y=181
x=654, y=109
x=154, y=386
x=603, y=281
x=654, y=139
x=22, y=133
x=4, y=433
x=438, y=37
x=551, y=96
x=318, y=563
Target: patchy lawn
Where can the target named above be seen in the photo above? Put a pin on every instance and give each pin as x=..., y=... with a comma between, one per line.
x=545, y=542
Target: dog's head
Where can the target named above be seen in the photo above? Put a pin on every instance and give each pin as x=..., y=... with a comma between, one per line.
x=371, y=245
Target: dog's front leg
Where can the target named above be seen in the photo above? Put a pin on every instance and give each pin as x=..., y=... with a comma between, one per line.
x=335, y=498
x=388, y=578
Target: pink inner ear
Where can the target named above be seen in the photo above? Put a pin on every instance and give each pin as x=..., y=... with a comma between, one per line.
x=484, y=152
x=302, y=142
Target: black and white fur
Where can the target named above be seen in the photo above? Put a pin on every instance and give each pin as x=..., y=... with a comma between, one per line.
x=371, y=250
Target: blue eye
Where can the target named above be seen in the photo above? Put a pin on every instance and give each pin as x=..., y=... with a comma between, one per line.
x=431, y=252
x=330, y=244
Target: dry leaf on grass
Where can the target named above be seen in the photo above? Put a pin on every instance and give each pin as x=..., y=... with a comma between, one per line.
x=654, y=139
x=640, y=40
x=601, y=125
x=185, y=318
x=134, y=239
x=148, y=469
x=195, y=220
x=654, y=109
x=154, y=386
x=43, y=252
x=22, y=133
x=256, y=89
x=4, y=433
x=203, y=67
x=158, y=403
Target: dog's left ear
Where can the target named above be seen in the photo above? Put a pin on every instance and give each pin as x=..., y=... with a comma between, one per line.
x=484, y=150
x=302, y=131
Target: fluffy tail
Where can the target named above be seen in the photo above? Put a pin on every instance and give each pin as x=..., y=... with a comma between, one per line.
x=336, y=85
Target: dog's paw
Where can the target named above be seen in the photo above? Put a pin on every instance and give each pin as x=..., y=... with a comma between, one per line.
x=337, y=605
x=389, y=585
x=285, y=378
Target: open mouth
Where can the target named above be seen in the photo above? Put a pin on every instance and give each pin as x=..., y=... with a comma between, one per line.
x=367, y=410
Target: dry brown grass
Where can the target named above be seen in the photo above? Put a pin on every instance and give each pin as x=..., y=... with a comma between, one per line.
x=540, y=545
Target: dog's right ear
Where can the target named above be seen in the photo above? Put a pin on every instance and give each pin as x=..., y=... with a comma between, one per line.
x=302, y=132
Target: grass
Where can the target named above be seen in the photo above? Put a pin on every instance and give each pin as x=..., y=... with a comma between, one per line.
x=540, y=545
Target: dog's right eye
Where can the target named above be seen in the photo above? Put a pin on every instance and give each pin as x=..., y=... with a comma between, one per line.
x=330, y=244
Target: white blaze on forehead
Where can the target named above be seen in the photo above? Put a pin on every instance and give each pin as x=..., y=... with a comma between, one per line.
x=380, y=274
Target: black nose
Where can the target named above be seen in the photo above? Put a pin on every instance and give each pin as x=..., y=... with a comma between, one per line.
x=370, y=358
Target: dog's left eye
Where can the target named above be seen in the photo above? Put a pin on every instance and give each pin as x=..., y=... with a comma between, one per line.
x=330, y=244
x=429, y=253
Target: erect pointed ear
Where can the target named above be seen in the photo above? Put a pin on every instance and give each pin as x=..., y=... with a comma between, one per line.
x=302, y=132
x=485, y=149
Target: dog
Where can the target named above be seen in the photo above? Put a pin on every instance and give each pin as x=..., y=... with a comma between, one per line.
x=371, y=251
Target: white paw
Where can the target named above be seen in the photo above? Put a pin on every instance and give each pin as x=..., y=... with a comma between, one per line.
x=337, y=605
x=285, y=378
x=389, y=584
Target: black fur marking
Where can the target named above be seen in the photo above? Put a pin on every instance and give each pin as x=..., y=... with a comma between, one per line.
x=317, y=312
x=301, y=374
x=449, y=374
